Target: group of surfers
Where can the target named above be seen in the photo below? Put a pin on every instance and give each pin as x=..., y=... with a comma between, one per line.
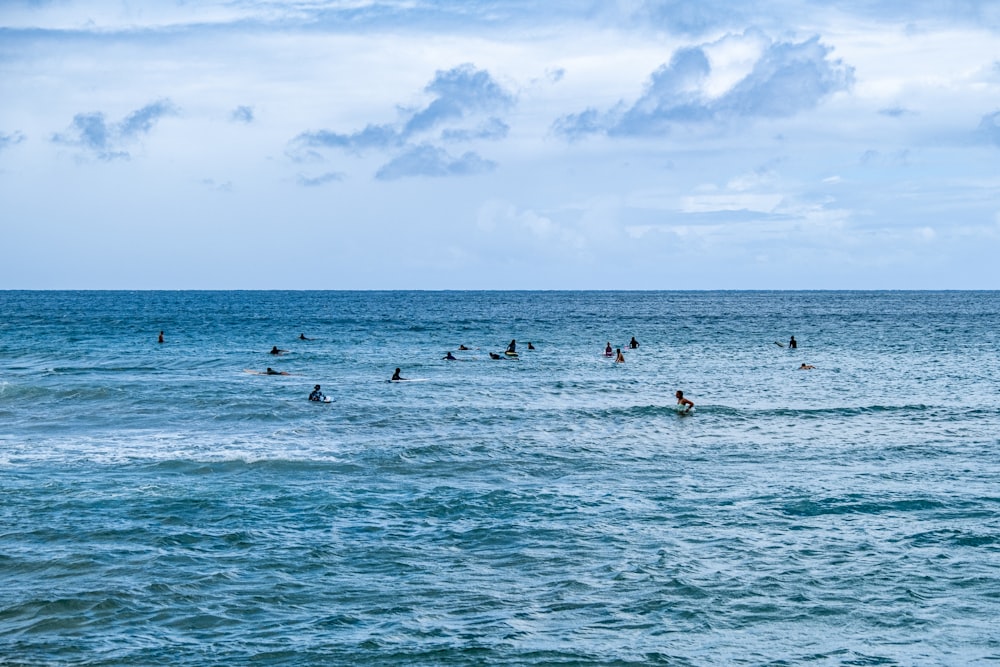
x=511, y=351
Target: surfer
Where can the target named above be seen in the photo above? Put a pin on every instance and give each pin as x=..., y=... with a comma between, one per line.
x=620, y=359
x=792, y=344
x=530, y=346
x=806, y=367
x=316, y=394
x=462, y=347
x=449, y=356
x=684, y=401
x=160, y=340
x=512, y=348
x=494, y=355
x=302, y=336
x=275, y=350
x=271, y=371
x=633, y=344
x=396, y=377
x=607, y=350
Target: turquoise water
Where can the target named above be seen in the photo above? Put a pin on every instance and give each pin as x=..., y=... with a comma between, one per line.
x=160, y=505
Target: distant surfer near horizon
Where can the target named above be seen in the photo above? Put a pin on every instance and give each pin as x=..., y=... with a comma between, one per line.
x=806, y=367
x=620, y=359
x=317, y=395
x=450, y=357
x=160, y=339
x=275, y=350
x=302, y=336
x=684, y=401
x=792, y=344
x=607, y=350
x=633, y=344
x=396, y=376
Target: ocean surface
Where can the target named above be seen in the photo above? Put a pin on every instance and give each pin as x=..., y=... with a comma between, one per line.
x=160, y=505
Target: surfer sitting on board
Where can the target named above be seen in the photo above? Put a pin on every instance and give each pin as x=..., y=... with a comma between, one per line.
x=607, y=350
x=684, y=401
x=792, y=344
x=530, y=346
x=160, y=339
x=396, y=377
x=316, y=394
x=512, y=348
x=620, y=359
x=634, y=344
x=450, y=357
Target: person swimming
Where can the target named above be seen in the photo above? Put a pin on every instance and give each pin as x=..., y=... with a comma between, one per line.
x=450, y=357
x=316, y=394
x=634, y=344
x=620, y=359
x=607, y=350
x=396, y=377
x=684, y=401
x=160, y=340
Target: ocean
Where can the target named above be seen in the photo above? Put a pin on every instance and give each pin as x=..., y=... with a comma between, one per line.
x=159, y=504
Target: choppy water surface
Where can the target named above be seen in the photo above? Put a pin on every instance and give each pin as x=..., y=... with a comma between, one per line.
x=160, y=505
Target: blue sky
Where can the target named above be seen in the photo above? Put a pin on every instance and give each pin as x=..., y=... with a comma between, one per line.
x=352, y=144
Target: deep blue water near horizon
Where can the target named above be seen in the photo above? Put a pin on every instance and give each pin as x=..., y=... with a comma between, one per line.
x=160, y=505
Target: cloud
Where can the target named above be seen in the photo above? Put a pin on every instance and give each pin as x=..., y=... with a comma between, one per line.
x=8, y=140
x=242, y=114
x=492, y=129
x=322, y=179
x=896, y=112
x=373, y=136
x=458, y=92
x=461, y=97
x=427, y=160
x=107, y=141
x=463, y=107
x=786, y=79
x=989, y=128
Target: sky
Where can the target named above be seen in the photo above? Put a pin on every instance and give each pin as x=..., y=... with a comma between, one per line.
x=465, y=144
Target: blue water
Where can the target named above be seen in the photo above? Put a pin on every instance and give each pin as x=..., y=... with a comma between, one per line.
x=160, y=505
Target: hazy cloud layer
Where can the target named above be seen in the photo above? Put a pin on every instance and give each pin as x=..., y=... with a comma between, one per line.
x=629, y=143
